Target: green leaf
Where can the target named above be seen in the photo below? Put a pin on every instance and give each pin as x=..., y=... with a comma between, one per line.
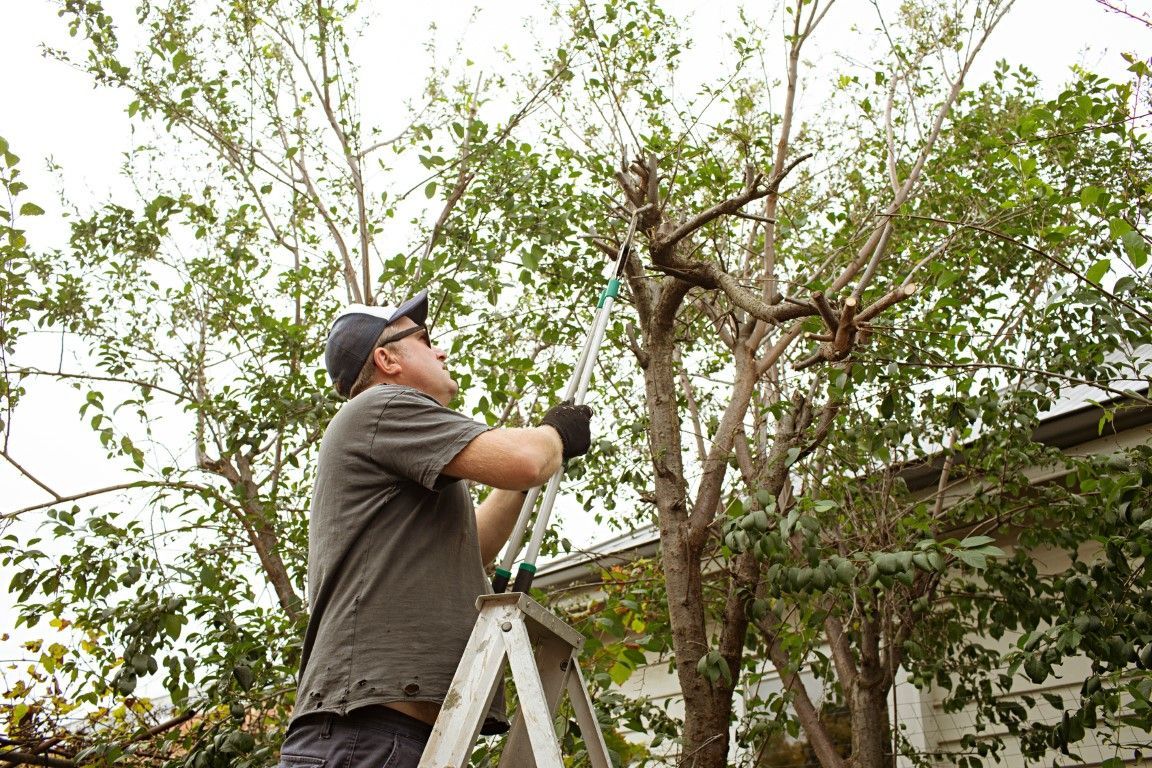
x=1097, y=271
x=31, y=209
x=1036, y=670
x=620, y=673
x=972, y=559
x=244, y=676
x=172, y=625
x=793, y=454
x=209, y=577
x=430, y=190
x=1118, y=227
x=1089, y=196
x=1136, y=247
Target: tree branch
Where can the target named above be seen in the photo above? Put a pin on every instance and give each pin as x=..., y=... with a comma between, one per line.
x=28, y=474
x=806, y=712
x=463, y=179
x=753, y=192
x=179, y=396
x=111, y=489
x=25, y=758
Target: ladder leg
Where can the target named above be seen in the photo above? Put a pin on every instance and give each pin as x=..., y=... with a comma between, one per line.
x=469, y=696
x=552, y=659
x=586, y=717
x=535, y=710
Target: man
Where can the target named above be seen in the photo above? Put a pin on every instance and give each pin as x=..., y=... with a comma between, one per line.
x=396, y=550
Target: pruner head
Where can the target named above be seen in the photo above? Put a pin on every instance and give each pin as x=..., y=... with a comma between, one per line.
x=620, y=255
x=633, y=225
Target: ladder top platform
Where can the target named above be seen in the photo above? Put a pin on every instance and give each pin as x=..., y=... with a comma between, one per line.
x=538, y=619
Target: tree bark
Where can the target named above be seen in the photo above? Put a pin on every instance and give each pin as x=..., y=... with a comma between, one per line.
x=250, y=513
x=868, y=702
x=871, y=735
x=705, y=714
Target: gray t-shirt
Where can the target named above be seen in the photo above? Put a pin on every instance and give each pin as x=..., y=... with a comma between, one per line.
x=394, y=563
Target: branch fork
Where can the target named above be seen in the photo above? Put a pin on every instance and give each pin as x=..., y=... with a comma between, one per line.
x=845, y=327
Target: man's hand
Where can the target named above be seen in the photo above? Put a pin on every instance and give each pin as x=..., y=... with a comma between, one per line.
x=571, y=422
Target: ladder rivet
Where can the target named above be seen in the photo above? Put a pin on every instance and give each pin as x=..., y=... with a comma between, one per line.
x=506, y=626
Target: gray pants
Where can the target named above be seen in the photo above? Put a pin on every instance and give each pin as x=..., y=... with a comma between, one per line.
x=369, y=737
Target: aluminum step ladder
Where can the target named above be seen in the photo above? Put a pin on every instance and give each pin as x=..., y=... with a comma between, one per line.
x=542, y=652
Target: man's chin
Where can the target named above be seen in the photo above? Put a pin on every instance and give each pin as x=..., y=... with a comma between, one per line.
x=450, y=392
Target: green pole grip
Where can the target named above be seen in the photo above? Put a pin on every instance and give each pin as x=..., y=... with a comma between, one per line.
x=612, y=290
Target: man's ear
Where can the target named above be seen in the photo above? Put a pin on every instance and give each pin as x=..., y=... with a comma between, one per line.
x=387, y=361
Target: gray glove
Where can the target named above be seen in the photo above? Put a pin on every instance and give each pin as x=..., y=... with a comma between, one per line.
x=571, y=423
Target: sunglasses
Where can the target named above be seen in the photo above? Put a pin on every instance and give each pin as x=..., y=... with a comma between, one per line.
x=406, y=333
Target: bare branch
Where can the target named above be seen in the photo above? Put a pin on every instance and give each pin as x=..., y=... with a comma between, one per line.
x=753, y=217
x=631, y=191
x=831, y=319
x=463, y=179
x=1111, y=6
x=693, y=411
x=160, y=728
x=28, y=474
x=894, y=296
x=802, y=704
x=111, y=489
x=26, y=758
x=873, y=264
x=715, y=467
x=635, y=345
x=945, y=472
x=113, y=379
x=653, y=181
x=261, y=533
x=867, y=251
x=731, y=205
x=1126, y=394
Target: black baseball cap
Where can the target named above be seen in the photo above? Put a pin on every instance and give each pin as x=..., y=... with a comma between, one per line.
x=354, y=334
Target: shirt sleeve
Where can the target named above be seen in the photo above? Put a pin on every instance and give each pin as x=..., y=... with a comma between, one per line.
x=415, y=436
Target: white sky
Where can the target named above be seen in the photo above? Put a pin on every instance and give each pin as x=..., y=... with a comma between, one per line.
x=53, y=112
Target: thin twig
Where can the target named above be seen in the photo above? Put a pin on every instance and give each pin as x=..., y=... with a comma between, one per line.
x=28, y=474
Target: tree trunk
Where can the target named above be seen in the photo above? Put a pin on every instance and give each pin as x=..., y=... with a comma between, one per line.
x=705, y=713
x=871, y=730
x=868, y=698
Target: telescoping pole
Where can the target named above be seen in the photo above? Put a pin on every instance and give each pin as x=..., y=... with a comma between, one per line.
x=577, y=389
x=504, y=570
